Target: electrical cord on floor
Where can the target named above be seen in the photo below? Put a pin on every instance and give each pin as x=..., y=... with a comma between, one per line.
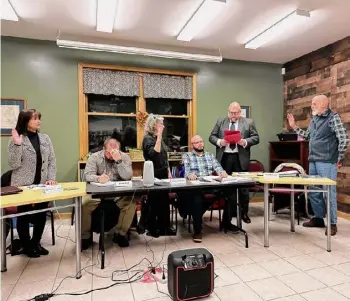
x=138, y=275
x=59, y=216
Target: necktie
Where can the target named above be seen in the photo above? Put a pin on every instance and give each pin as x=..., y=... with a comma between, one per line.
x=232, y=128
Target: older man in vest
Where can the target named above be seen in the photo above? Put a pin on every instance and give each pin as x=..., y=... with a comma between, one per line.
x=328, y=141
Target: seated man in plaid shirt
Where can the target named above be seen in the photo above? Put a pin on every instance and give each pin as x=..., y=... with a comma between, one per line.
x=200, y=163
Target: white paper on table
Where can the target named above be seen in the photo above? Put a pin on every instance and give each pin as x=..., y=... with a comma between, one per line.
x=109, y=183
x=178, y=181
x=44, y=187
x=161, y=180
x=123, y=183
x=209, y=178
x=231, y=179
x=196, y=182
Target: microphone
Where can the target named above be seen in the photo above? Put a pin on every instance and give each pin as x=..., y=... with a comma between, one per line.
x=148, y=174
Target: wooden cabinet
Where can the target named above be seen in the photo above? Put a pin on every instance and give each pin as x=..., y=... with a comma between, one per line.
x=289, y=151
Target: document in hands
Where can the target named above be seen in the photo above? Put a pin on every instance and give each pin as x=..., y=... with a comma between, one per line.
x=232, y=137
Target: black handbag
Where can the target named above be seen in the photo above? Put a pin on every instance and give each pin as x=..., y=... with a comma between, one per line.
x=287, y=136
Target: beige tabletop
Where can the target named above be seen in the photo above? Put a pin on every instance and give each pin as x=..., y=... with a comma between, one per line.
x=38, y=196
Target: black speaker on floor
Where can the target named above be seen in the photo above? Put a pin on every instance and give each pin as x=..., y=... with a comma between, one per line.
x=190, y=274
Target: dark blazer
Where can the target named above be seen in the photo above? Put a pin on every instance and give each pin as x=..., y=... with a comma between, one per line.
x=248, y=132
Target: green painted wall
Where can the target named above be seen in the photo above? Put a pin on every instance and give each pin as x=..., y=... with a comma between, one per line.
x=46, y=76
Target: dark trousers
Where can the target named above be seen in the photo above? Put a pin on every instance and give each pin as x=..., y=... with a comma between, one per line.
x=230, y=162
x=195, y=204
x=38, y=221
x=159, y=211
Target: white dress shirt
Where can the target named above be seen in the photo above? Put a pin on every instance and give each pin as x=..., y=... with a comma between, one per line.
x=233, y=127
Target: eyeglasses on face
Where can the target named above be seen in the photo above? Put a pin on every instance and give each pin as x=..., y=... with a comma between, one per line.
x=234, y=113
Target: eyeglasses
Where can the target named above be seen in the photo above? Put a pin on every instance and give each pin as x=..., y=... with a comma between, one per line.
x=234, y=113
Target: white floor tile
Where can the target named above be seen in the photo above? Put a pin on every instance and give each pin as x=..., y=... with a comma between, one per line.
x=344, y=268
x=30, y=290
x=301, y=282
x=329, y=276
x=225, y=277
x=237, y=292
x=291, y=298
x=279, y=267
x=343, y=289
x=305, y=262
x=270, y=288
x=234, y=259
x=326, y=294
x=249, y=272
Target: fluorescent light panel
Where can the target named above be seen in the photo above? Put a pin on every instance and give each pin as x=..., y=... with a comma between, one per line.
x=7, y=11
x=106, y=11
x=138, y=51
x=206, y=13
x=277, y=29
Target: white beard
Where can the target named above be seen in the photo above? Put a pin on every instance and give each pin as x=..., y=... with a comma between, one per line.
x=314, y=113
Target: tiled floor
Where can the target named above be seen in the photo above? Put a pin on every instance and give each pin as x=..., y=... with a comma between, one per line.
x=296, y=266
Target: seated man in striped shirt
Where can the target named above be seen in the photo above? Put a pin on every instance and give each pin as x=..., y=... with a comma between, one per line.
x=200, y=163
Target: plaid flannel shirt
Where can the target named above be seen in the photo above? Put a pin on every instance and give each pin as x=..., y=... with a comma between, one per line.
x=340, y=132
x=201, y=166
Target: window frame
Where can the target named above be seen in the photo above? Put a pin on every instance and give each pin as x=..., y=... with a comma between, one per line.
x=140, y=103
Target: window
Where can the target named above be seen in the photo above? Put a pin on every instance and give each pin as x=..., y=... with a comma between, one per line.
x=166, y=106
x=111, y=116
x=103, y=127
x=176, y=115
x=111, y=104
x=102, y=116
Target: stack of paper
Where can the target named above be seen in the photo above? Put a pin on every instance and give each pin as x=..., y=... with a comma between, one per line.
x=209, y=178
x=44, y=187
x=289, y=173
x=231, y=179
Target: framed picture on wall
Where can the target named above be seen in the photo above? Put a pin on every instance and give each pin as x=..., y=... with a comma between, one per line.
x=9, y=110
x=245, y=111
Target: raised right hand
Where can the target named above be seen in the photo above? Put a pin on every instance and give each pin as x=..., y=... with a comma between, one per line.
x=17, y=139
x=223, y=142
x=159, y=131
x=103, y=179
x=291, y=120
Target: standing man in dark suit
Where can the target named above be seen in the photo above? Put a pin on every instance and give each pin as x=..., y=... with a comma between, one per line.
x=235, y=157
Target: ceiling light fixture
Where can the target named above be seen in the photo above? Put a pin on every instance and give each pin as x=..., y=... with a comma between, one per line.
x=106, y=11
x=205, y=14
x=7, y=11
x=277, y=29
x=138, y=51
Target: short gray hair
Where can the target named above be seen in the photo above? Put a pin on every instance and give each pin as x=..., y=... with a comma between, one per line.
x=110, y=140
x=151, y=122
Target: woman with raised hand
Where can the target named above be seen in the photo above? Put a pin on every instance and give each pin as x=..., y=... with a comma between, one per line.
x=32, y=159
x=155, y=150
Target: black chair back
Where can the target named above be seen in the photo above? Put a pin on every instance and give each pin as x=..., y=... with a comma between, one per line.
x=6, y=179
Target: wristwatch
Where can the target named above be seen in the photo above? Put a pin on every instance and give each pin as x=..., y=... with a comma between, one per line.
x=119, y=161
